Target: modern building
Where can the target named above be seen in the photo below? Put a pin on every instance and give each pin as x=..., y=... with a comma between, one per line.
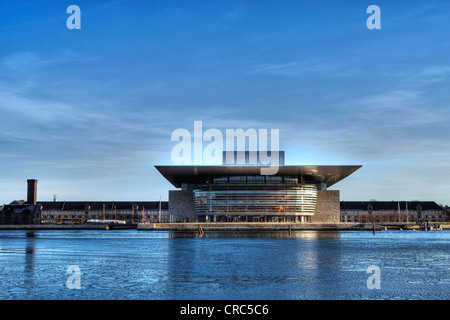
x=233, y=193
x=392, y=211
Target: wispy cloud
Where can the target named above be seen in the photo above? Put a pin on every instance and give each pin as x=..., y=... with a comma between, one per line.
x=380, y=126
x=429, y=75
x=77, y=134
x=306, y=69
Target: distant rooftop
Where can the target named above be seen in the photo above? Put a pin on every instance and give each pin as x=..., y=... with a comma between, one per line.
x=98, y=205
x=389, y=205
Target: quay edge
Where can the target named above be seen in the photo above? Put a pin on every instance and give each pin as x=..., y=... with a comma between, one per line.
x=65, y=227
x=252, y=226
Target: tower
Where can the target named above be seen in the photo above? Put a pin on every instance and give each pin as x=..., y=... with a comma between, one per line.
x=32, y=191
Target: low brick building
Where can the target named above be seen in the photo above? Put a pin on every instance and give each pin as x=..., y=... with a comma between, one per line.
x=392, y=211
x=83, y=211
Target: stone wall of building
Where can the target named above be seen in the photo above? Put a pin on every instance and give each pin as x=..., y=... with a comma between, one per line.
x=181, y=205
x=328, y=207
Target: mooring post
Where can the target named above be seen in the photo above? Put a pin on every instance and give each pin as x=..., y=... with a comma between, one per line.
x=374, y=228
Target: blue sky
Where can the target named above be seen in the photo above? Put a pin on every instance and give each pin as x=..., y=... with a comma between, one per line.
x=90, y=112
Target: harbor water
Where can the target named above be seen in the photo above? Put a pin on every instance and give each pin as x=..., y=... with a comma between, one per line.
x=163, y=265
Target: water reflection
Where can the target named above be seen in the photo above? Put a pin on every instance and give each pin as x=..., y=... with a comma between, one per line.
x=325, y=276
x=30, y=261
x=303, y=234
x=227, y=264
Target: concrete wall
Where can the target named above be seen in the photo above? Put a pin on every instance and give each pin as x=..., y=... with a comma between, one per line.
x=328, y=208
x=181, y=205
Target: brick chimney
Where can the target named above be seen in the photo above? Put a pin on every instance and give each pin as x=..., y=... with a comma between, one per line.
x=32, y=191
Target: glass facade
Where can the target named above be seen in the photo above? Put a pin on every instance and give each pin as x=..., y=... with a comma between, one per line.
x=255, y=196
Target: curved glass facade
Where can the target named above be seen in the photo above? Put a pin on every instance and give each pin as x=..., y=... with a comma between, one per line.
x=255, y=196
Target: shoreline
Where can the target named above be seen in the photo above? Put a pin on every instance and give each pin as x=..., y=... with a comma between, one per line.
x=223, y=226
x=66, y=227
x=251, y=226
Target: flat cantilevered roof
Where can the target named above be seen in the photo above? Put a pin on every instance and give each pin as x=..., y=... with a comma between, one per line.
x=193, y=174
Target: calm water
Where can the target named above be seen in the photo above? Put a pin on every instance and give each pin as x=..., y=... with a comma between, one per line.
x=131, y=264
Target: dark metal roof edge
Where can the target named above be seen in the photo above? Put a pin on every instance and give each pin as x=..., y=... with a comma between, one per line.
x=163, y=170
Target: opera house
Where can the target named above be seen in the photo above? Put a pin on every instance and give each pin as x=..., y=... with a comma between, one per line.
x=240, y=193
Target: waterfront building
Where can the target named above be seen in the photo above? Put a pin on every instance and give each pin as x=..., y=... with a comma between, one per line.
x=32, y=211
x=392, y=211
x=232, y=193
x=21, y=211
x=235, y=193
x=129, y=212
